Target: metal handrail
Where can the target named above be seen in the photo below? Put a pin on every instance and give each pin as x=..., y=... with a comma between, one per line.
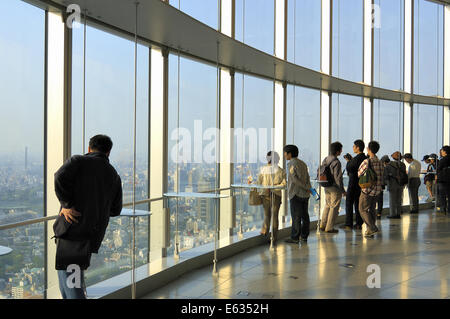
x=49, y=218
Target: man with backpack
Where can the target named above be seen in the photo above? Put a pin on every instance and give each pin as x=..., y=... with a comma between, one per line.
x=331, y=179
x=371, y=178
x=414, y=170
x=395, y=178
x=443, y=179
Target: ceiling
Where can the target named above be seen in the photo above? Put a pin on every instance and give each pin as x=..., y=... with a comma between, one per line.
x=163, y=25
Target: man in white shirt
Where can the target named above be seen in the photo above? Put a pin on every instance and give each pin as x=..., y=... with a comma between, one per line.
x=414, y=170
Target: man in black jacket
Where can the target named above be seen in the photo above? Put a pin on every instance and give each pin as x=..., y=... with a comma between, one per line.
x=90, y=192
x=443, y=179
x=353, y=190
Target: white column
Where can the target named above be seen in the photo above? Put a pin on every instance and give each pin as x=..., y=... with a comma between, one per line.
x=56, y=132
x=446, y=126
x=408, y=84
x=408, y=75
x=325, y=98
x=279, y=114
x=226, y=167
x=159, y=232
x=368, y=49
x=227, y=214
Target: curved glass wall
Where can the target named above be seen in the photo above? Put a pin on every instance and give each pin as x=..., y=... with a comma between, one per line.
x=192, y=108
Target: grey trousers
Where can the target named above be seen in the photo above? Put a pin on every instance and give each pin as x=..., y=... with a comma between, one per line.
x=367, y=210
x=395, y=201
x=413, y=188
x=333, y=197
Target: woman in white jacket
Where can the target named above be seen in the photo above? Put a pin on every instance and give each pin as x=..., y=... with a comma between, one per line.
x=271, y=175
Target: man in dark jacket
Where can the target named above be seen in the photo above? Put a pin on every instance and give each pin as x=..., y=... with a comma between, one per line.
x=443, y=172
x=353, y=190
x=90, y=192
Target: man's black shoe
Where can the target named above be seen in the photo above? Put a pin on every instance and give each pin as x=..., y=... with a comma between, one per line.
x=346, y=227
x=304, y=240
x=291, y=241
x=358, y=227
x=394, y=217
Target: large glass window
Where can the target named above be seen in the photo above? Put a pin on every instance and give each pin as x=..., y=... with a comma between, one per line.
x=427, y=136
x=253, y=123
x=346, y=126
x=388, y=130
x=255, y=23
x=22, y=112
x=428, y=48
x=303, y=33
x=389, y=44
x=192, y=166
x=204, y=11
x=388, y=126
x=22, y=48
x=348, y=39
x=303, y=130
x=110, y=110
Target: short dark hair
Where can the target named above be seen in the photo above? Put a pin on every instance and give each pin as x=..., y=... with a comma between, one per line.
x=408, y=156
x=291, y=149
x=446, y=149
x=101, y=143
x=273, y=157
x=374, y=146
x=360, y=144
x=335, y=148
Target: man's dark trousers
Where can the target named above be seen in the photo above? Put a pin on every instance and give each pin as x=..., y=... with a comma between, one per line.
x=445, y=204
x=352, y=200
x=300, y=218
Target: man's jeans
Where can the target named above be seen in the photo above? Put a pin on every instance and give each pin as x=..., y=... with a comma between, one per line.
x=71, y=293
x=300, y=217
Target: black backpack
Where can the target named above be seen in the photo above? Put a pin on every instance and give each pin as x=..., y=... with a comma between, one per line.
x=402, y=177
x=324, y=176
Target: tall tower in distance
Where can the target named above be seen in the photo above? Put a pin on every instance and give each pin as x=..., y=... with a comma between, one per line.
x=26, y=158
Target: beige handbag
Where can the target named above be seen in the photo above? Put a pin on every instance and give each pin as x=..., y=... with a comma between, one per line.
x=254, y=199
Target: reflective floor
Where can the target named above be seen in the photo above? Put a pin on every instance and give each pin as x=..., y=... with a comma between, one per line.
x=413, y=255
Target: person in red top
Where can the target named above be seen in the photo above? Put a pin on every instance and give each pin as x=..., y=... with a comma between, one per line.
x=368, y=199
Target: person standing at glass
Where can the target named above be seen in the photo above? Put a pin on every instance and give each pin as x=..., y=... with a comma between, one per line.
x=271, y=175
x=299, y=190
x=391, y=179
x=353, y=189
x=334, y=193
x=414, y=182
x=443, y=179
